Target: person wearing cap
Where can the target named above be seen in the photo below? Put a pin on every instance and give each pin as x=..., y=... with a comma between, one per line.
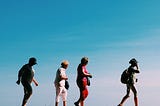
x=26, y=77
x=133, y=68
x=59, y=83
x=82, y=81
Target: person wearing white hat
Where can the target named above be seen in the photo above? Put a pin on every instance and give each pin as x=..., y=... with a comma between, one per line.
x=59, y=83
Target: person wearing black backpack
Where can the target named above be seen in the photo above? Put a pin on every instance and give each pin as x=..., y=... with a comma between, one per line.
x=133, y=68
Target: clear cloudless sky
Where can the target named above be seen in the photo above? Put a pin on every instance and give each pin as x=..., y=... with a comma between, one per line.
x=108, y=32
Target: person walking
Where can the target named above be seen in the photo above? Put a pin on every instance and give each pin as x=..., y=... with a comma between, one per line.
x=26, y=76
x=133, y=68
x=82, y=81
x=59, y=83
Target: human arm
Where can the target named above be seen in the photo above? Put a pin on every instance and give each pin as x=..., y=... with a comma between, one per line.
x=35, y=82
x=137, y=70
x=20, y=73
x=134, y=69
x=86, y=73
x=64, y=78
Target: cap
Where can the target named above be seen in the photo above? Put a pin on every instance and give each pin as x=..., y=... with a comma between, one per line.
x=133, y=60
x=33, y=60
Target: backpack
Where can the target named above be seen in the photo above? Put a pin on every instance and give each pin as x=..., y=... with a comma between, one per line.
x=125, y=76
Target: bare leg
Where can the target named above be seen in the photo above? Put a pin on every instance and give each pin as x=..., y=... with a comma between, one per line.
x=56, y=104
x=82, y=103
x=125, y=97
x=136, y=101
x=123, y=100
x=64, y=103
x=135, y=95
x=77, y=103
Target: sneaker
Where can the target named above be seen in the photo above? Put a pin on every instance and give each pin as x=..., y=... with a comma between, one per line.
x=76, y=103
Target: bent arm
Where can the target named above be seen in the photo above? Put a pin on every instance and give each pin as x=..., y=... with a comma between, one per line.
x=86, y=74
x=64, y=77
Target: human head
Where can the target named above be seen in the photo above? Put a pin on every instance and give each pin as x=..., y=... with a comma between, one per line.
x=65, y=64
x=32, y=61
x=133, y=61
x=84, y=61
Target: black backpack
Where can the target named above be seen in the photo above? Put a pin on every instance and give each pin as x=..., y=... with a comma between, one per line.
x=125, y=76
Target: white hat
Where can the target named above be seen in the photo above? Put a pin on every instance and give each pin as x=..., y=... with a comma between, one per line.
x=65, y=62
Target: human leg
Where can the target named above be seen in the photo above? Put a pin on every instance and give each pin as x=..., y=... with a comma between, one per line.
x=80, y=86
x=64, y=96
x=78, y=101
x=56, y=103
x=27, y=92
x=135, y=95
x=58, y=93
x=83, y=96
x=82, y=103
x=64, y=103
x=126, y=96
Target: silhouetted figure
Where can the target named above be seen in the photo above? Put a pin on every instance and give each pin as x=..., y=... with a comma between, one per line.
x=133, y=68
x=59, y=82
x=82, y=81
x=26, y=76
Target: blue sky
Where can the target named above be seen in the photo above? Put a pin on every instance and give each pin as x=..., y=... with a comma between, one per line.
x=108, y=32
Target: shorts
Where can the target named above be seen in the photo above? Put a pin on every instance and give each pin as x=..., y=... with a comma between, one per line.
x=27, y=87
x=61, y=91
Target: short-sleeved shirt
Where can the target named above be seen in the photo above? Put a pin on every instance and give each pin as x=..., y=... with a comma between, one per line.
x=27, y=73
x=60, y=73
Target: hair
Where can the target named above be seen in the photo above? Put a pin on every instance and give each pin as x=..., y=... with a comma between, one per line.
x=84, y=60
x=133, y=61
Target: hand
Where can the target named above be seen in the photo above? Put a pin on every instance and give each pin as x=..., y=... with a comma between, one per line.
x=36, y=84
x=18, y=82
x=90, y=76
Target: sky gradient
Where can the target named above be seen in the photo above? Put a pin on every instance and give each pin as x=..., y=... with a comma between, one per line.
x=109, y=33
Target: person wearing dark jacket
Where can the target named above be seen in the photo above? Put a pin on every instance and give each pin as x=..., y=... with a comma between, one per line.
x=26, y=76
x=133, y=68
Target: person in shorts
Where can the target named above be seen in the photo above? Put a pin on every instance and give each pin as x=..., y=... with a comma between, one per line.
x=26, y=76
x=133, y=68
x=61, y=77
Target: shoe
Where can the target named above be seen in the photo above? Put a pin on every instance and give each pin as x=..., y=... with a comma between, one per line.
x=76, y=103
